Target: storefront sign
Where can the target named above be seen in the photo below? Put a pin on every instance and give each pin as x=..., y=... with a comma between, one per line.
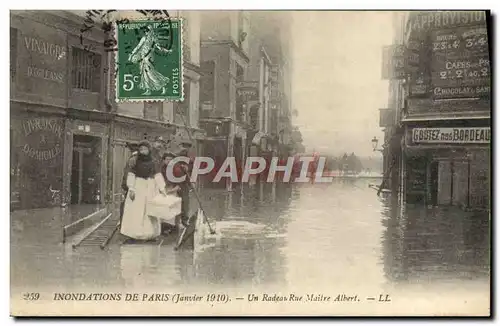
x=461, y=91
x=460, y=41
x=451, y=135
x=428, y=105
x=42, y=60
x=461, y=71
x=460, y=65
x=419, y=85
x=426, y=20
x=248, y=90
x=393, y=62
x=387, y=117
x=398, y=61
x=43, y=138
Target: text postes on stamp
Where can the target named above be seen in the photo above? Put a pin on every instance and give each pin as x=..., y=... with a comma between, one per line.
x=149, y=57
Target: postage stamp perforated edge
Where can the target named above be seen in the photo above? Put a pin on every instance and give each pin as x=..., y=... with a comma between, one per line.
x=180, y=20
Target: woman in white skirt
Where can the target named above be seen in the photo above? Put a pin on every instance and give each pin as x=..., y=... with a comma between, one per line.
x=144, y=181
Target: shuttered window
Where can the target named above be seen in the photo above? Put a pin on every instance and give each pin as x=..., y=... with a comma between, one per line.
x=86, y=70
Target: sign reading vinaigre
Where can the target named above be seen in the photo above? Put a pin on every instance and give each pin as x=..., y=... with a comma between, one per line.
x=478, y=135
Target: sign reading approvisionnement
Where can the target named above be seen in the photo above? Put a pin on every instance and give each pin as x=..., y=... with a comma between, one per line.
x=478, y=135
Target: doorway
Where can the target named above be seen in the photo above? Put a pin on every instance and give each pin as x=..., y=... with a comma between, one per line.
x=434, y=182
x=86, y=170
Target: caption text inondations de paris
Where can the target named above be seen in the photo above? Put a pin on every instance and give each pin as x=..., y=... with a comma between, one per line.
x=212, y=298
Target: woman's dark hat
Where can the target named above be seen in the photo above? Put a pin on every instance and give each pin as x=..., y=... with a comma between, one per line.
x=144, y=143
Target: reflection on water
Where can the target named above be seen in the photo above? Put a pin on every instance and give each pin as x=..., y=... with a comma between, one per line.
x=338, y=233
x=442, y=244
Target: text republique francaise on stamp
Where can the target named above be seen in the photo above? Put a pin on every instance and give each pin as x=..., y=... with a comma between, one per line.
x=149, y=57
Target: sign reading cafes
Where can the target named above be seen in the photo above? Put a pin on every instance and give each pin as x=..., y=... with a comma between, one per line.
x=478, y=135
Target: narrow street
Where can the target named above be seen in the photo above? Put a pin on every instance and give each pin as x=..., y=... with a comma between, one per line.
x=351, y=235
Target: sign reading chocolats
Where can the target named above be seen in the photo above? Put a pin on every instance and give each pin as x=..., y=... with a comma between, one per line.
x=473, y=135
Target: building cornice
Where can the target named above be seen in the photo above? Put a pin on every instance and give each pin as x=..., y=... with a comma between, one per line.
x=445, y=117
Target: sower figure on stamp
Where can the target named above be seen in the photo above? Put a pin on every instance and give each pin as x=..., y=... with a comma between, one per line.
x=144, y=182
x=151, y=79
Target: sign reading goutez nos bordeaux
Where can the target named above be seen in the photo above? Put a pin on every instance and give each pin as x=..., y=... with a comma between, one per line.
x=451, y=135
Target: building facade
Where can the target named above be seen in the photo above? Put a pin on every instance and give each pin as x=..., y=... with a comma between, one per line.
x=68, y=136
x=171, y=120
x=245, y=60
x=444, y=112
x=59, y=112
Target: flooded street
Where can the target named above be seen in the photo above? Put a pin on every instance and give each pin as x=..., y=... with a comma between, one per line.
x=339, y=235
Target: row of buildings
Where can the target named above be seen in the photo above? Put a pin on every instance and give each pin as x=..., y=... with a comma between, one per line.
x=69, y=137
x=437, y=125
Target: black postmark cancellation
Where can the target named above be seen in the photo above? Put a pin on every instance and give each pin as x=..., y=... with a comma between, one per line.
x=108, y=21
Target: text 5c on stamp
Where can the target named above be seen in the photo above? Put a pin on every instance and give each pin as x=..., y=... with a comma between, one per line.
x=149, y=58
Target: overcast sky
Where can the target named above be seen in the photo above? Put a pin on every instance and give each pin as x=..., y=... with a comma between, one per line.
x=337, y=85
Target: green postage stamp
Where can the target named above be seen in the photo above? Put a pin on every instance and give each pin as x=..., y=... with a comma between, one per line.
x=149, y=60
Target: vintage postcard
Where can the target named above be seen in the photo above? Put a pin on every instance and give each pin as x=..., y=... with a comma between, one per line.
x=250, y=163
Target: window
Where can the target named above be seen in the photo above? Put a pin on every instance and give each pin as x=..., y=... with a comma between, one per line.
x=86, y=70
x=240, y=72
x=207, y=82
x=13, y=52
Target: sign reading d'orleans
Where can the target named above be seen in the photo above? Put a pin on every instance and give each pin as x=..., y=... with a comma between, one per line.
x=478, y=135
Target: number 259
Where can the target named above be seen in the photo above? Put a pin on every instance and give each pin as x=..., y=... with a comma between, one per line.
x=33, y=296
x=129, y=81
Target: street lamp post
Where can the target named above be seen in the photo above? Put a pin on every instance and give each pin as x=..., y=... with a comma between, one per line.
x=375, y=145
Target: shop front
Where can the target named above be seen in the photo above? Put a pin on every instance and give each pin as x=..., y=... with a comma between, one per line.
x=85, y=159
x=448, y=166
x=58, y=130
